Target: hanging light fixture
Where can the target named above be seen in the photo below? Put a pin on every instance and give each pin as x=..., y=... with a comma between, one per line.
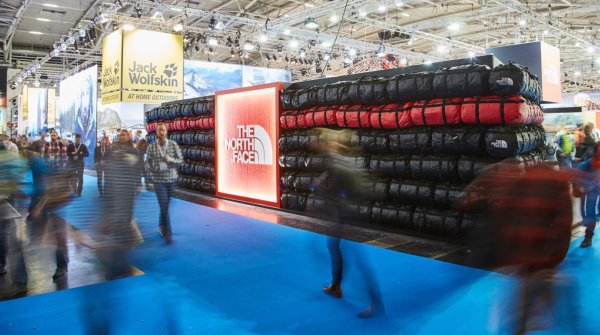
x=248, y=46
x=178, y=27
x=311, y=23
x=212, y=41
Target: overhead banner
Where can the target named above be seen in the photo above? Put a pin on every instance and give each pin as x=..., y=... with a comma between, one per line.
x=37, y=106
x=77, y=110
x=25, y=105
x=205, y=78
x=112, y=54
x=51, y=108
x=142, y=66
x=246, y=134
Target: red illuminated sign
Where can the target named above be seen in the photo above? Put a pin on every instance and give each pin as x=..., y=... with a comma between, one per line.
x=246, y=132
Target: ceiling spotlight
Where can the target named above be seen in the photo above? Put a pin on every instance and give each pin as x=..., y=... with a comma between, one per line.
x=404, y=61
x=220, y=25
x=263, y=38
x=347, y=60
x=362, y=13
x=293, y=44
x=302, y=53
x=311, y=23
x=352, y=52
x=103, y=18
x=471, y=54
x=590, y=49
x=546, y=32
x=577, y=73
x=158, y=16
x=70, y=40
x=522, y=22
x=287, y=32
x=333, y=18
x=427, y=62
x=382, y=7
x=454, y=26
x=212, y=41
x=248, y=46
x=178, y=27
x=398, y=3
x=326, y=57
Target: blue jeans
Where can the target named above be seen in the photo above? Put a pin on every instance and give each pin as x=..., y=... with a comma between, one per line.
x=589, y=204
x=164, y=191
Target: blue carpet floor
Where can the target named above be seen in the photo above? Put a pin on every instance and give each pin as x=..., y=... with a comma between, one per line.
x=228, y=274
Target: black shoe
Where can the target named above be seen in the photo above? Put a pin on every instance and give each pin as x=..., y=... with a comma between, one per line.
x=587, y=242
x=168, y=238
x=60, y=272
x=2, y=269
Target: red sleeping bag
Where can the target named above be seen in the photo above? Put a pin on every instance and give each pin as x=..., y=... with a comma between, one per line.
x=392, y=116
x=436, y=112
x=321, y=116
x=151, y=127
x=292, y=120
x=355, y=116
x=501, y=110
x=202, y=122
x=180, y=124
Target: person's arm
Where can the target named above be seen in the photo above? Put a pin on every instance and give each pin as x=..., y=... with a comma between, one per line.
x=86, y=153
x=177, y=157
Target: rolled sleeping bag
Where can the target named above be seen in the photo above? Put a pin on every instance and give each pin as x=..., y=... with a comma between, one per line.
x=496, y=110
x=413, y=192
x=462, y=81
x=434, y=167
x=411, y=140
x=391, y=116
x=392, y=214
x=390, y=165
x=460, y=140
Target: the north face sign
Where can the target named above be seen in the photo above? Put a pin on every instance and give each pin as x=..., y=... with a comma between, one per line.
x=499, y=144
x=505, y=82
x=251, y=146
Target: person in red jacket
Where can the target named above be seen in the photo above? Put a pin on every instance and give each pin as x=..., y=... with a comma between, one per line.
x=526, y=215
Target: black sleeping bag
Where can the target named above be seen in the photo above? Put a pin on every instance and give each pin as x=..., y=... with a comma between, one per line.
x=460, y=140
x=372, y=141
x=357, y=211
x=514, y=79
x=436, y=221
x=300, y=140
x=293, y=201
x=462, y=81
x=293, y=160
x=410, y=140
x=375, y=189
x=446, y=194
x=413, y=192
x=287, y=179
x=372, y=91
x=315, y=203
x=411, y=87
x=434, y=167
x=390, y=165
x=510, y=141
x=392, y=214
x=469, y=166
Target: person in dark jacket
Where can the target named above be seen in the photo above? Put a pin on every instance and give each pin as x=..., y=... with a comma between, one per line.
x=101, y=159
x=76, y=152
x=123, y=174
x=589, y=189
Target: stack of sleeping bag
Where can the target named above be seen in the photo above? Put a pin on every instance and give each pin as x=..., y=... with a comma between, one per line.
x=422, y=137
x=191, y=124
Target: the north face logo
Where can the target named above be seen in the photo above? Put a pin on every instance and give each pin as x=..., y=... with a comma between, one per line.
x=251, y=146
x=505, y=82
x=170, y=70
x=499, y=144
x=116, y=68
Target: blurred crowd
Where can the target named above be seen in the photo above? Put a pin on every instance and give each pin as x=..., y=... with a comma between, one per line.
x=522, y=216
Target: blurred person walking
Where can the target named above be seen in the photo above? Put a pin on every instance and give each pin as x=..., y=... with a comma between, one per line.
x=588, y=188
x=76, y=152
x=101, y=159
x=12, y=170
x=341, y=182
x=565, y=144
x=525, y=220
x=123, y=183
x=162, y=159
x=55, y=152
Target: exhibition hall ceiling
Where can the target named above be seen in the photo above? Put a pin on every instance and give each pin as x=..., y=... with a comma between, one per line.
x=311, y=38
